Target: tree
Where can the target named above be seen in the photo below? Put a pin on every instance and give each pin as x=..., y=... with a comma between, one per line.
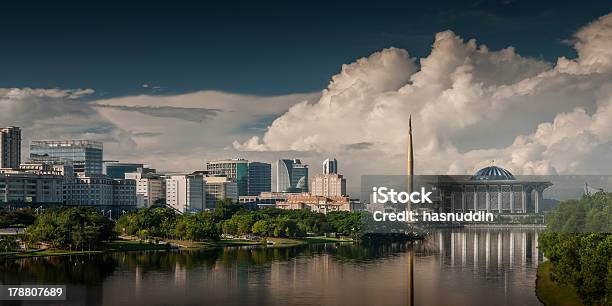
x=263, y=228
x=77, y=227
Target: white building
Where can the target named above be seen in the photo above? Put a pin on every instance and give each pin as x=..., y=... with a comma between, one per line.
x=329, y=185
x=150, y=187
x=219, y=188
x=100, y=190
x=185, y=192
x=17, y=186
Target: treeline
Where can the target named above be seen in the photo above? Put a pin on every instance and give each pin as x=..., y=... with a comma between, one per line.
x=17, y=218
x=71, y=228
x=589, y=214
x=84, y=227
x=579, y=246
x=233, y=219
x=582, y=261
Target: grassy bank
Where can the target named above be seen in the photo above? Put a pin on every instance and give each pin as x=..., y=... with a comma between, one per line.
x=128, y=245
x=552, y=294
x=306, y=240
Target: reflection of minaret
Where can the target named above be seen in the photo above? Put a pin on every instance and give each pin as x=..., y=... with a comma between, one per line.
x=410, y=161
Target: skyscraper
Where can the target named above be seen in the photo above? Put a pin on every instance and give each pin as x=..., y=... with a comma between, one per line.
x=328, y=185
x=10, y=147
x=291, y=176
x=86, y=155
x=260, y=178
x=234, y=169
x=330, y=166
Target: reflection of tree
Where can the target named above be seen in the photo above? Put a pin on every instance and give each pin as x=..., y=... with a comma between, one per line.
x=86, y=270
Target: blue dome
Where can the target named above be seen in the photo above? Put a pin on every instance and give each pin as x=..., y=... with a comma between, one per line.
x=493, y=173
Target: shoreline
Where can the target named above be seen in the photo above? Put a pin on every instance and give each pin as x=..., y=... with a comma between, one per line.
x=132, y=245
x=549, y=292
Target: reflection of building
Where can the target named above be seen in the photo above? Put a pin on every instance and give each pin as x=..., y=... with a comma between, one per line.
x=488, y=248
x=220, y=188
x=260, y=178
x=291, y=176
x=185, y=192
x=319, y=204
x=10, y=147
x=492, y=189
x=86, y=155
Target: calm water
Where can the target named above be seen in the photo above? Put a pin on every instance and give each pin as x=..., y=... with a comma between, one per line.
x=460, y=267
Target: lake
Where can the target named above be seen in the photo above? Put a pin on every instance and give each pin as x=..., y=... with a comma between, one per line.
x=451, y=267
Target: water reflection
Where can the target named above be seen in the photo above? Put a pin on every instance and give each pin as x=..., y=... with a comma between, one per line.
x=459, y=267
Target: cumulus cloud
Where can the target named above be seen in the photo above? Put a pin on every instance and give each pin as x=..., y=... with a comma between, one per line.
x=173, y=133
x=469, y=105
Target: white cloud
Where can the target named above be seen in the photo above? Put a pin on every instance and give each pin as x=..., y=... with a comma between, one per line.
x=469, y=105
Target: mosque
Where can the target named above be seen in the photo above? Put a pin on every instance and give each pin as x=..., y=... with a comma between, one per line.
x=491, y=189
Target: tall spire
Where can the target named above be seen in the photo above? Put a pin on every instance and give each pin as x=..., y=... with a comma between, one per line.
x=410, y=160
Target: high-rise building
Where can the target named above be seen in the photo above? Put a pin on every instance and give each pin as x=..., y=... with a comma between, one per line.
x=291, y=176
x=329, y=185
x=185, y=192
x=260, y=178
x=10, y=147
x=220, y=188
x=150, y=187
x=86, y=155
x=234, y=169
x=330, y=166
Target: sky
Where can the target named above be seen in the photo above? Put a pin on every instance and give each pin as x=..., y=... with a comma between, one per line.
x=253, y=47
x=525, y=83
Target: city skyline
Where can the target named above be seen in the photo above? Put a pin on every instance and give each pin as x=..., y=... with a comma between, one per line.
x=538, y=107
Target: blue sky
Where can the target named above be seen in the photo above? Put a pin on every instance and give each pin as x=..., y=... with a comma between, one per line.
x=260, y=48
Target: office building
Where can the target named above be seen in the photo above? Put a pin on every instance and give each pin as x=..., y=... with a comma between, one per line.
x=118, y=170
x=101, y=191
x=42, y=186
x=150, y=188
x=86, y=155
x=260, y=178
x=330, y=166
x=291, y=176
x=64, y=166
x=329, y=185
x=234, y=169
x=318, y=204
x=263, y=200
x=219, y=188
x=185, y=192
x=10, y=147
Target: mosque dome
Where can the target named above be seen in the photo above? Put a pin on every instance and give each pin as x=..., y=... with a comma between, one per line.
x=492, y=173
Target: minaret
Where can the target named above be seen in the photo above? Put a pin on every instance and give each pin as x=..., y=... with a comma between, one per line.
x=410, y=161
x=410, y=173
